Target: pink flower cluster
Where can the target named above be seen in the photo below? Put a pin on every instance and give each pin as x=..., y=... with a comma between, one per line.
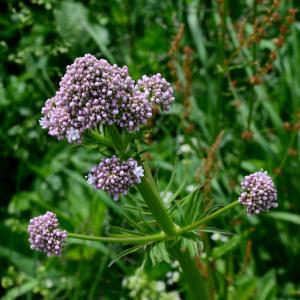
x=258, y=193
x=93, y=92
x=115, y=176
x=45, y=235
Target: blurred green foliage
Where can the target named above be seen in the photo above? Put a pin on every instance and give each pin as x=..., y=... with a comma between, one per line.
x=214, y=75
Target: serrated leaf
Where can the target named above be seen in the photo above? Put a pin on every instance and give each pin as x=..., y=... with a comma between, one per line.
x=119, y=231
x=194, y=246
x=126, y=252
x=94, y=136
x=159, y=253
x=189, y=209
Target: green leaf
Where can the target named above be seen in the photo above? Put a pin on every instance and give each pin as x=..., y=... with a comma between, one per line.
x=126, y=252
x=267, y=286
x=69, y=19
x=244, y=290
x=227, y=247
x=285, y=216
x=19, y=260
x=159, y=253
x=194, y=246
x=18, y=291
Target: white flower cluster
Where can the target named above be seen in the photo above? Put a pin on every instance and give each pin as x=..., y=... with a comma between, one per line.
x=141, y=287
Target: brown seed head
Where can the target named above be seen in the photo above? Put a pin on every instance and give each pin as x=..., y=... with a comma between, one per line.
x=287, y=126
x=247, y=135
x=279, y=41
x=292, y=152
x=255, y=80
x=273, y=55
x=293, y=11
x=283, y=29
x=275, y=17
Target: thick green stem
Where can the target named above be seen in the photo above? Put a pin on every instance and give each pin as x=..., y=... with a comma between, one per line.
x=101, y=139
x=154, y=202
x=117, y=140
x=190, y=271
x=128, y=239
x=189, y=268
x=192, y=275
x=208, y=218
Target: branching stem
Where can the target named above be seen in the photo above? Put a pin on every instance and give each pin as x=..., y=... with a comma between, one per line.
x=126, y=239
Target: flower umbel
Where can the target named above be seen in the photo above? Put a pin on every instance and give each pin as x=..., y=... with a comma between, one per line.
x=258, y=193
x=157, y=90
x=93, y=92
x=45, y=235
x=115, y=176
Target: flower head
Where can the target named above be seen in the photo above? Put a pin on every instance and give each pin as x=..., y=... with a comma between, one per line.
x=157, y=90
x=94, y=92
x=115, y=176
x=45, y=235
x=258, y=193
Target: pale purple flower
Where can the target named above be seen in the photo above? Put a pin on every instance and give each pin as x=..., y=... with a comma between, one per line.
x=157, y=90
x=45, y=234
x=258, y=193
x=94, y=92
x=115, y=176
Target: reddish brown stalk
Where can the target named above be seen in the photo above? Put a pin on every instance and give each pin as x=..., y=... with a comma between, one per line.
x=188, y=81
x=209, y=165
x=174, y=48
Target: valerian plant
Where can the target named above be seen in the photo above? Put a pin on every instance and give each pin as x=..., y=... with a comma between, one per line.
x=103, y=103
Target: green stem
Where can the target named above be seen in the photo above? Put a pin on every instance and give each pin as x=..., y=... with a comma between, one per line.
x=128, y=239
x=174, y=232
x=189, y=268
x=154, y=202
x=117, y=140
x=101, y=139
x=208, y=218
x=192, y=275
x=145, y=164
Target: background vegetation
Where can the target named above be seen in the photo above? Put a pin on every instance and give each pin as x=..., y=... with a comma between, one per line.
x=235, y=68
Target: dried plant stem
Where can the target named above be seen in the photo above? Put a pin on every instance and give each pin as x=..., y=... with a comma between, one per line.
x=286, y=154
x=222, y=65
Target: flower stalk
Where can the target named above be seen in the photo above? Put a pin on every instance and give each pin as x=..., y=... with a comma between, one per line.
x=154, y=202
x=208, y=218
x=158, y=236
x=126, y=239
